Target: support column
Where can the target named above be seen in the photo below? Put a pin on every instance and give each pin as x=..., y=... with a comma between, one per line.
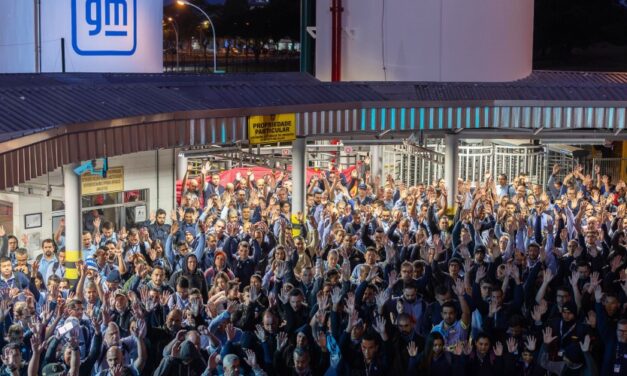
x=73, y=224
x=181, y=167
x=299, y=175
x=451, y=148
x=376, y=162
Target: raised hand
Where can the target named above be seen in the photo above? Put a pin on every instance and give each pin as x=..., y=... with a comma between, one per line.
x=382, y=298
x=412, y=350
x=36, y=345
x=547, y=335
x=281, y=340
x=511, y=345
x=336, y=297
x=350, y=302
x=379, y=325
x=458, y=288
x=140, y=329
x=498, y=349
x=254, y=294
x=165, y=297
x=251, y=359
x=260, y=333
x=530, y=343
x=230, y=331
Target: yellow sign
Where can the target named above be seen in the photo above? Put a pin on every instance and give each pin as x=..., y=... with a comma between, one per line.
x=270, y=129
x=94, y=184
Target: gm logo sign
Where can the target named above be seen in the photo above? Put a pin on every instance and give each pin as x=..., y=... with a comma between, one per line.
x=104, y=27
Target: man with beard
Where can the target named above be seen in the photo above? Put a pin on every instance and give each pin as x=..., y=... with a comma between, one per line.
x=158, y=229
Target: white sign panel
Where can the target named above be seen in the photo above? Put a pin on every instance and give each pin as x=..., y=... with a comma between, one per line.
x=104, y=27
x=99, y=35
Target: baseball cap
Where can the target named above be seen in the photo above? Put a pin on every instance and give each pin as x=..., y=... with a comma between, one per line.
x=362, y=186
x=53, y=369
x=570, y=307
x=114, y=277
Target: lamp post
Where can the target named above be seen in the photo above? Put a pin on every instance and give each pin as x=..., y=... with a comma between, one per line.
x=176, y=33
x=215, y=51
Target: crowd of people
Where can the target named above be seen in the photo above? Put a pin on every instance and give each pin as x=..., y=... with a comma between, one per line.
x=374, y=277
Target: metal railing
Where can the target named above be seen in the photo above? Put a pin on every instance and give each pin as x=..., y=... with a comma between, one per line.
x=414, y=164
x=616, y=168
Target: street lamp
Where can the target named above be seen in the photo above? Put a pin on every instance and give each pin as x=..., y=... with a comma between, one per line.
x=176, y=33
x=215, y=51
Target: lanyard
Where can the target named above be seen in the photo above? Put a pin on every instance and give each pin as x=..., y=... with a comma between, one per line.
x=562, y=334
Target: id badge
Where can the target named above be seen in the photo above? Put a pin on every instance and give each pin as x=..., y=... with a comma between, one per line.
x=617, y=369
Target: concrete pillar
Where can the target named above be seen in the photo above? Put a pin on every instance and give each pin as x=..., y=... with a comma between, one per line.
x=73, y=224
x=451, y=147
x=376, y=162
x=299, y=174
x=181, y=167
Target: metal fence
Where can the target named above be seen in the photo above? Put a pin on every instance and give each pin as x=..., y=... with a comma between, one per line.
x=614, y=167
x=413, y=164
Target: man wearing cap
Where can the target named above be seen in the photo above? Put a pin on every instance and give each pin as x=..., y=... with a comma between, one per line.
x=567, y=329
x=362, y=195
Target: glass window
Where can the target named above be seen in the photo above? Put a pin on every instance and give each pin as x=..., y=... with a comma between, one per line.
x=119, y=208
x=101, y=200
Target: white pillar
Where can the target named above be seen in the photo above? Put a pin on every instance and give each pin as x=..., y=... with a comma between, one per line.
x=451, y=147
x=73, y=223
x=181, y=167
x=376, y=162
x=299, y=174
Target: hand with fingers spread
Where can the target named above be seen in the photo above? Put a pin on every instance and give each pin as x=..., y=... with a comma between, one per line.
x=260, y=333
x=281, y=340
x=412, y=349
x=336, y=297
x=382, y=298
x=251, y=359
x=480, y=274
x=379, y=327
x=591, y=319
x=574, y=279
x=530, y=343
x=547, y=335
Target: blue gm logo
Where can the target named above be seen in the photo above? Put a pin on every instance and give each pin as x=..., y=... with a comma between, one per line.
x=104, y=27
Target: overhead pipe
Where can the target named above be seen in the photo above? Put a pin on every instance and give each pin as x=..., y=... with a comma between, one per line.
x=336, y=40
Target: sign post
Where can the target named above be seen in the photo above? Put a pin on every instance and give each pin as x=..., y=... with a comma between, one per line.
x=271, y=129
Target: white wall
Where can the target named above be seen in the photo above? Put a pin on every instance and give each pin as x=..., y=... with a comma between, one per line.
x=428, y=40
x=17, y=23
x=140, y=172
x=17, y=39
